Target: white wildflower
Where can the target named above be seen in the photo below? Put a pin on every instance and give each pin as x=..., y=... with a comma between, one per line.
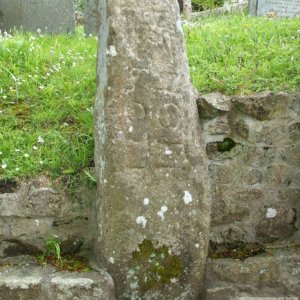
x=40, y=140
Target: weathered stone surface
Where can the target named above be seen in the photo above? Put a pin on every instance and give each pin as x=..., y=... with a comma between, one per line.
x=277, y=224
x=37, y=209
x=15, y=247
x=259, y=172
x=220, y=293
x=212, y=105
x=28, y=281
x=91, y=17
x=272, y=8
x=272, y=274
x=262, y=106
x=55, y=16
x=153, y=185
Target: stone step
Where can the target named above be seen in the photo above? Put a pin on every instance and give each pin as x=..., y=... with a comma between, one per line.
x=22, y=279
x=273, y=274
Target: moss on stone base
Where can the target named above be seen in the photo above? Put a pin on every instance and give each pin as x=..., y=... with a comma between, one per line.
x=156, y=267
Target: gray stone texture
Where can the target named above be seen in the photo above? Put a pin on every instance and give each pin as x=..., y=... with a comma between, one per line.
x=256, y=184
x=255, y=195
x=273, y=274
x=91, y=17
x=24, y=280
x=39, y=208
x=272, y=8
x=55, y=16
x=153, y=182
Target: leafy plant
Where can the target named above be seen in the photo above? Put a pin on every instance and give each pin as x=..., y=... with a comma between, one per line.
x=52, y=248
x=53, y=255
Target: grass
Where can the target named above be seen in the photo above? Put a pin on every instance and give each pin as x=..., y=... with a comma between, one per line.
x=52, y=255
x=47, y=85
x=242, y=55
x=47, y=91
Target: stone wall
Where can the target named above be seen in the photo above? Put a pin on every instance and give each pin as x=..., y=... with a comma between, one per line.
x=253, y=148
x=253, y=145
x=32, y=211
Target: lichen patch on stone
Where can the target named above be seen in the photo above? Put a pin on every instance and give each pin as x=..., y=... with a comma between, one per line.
x=146, y=201
x=271, y=213
x=187, y=198
x=141, y=220
x=162, y=212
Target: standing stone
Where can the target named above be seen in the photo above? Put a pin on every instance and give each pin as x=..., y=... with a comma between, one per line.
x=272, y=8
x=55, y=16
x=153, y=206
x=91, y=17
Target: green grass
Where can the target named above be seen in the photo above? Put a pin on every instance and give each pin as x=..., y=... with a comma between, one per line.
x=242, y=55
x=47, y=85
x=47, y=90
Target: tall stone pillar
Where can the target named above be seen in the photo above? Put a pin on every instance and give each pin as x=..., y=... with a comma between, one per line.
x=153, y=206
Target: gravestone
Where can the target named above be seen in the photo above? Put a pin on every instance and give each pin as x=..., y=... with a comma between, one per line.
x=55, y=16
x=153, y=206
x=280, y=8
x=91, y=17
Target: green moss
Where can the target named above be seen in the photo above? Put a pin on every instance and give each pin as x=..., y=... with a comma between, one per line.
x=155, y=266
x=226, y=145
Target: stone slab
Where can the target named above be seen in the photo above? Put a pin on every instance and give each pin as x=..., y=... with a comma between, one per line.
x=273, y=274
x=272, y=8
x=28, y=281
x=55, y=16
x=91, y=17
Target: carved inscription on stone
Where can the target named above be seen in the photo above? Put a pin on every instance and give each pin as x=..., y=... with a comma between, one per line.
x=153, y=184
x=281, y=8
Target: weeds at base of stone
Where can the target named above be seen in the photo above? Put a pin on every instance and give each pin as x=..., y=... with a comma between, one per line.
x=52, y=255
x=67, y=263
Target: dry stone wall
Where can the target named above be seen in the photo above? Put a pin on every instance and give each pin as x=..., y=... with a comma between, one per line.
x=253, y=145
x=31, y=212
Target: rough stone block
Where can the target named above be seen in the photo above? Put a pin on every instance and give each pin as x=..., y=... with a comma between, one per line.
x=277, y=224
x=27, y=282
x=213, y=105
x=274, y=274
x=263, y=106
